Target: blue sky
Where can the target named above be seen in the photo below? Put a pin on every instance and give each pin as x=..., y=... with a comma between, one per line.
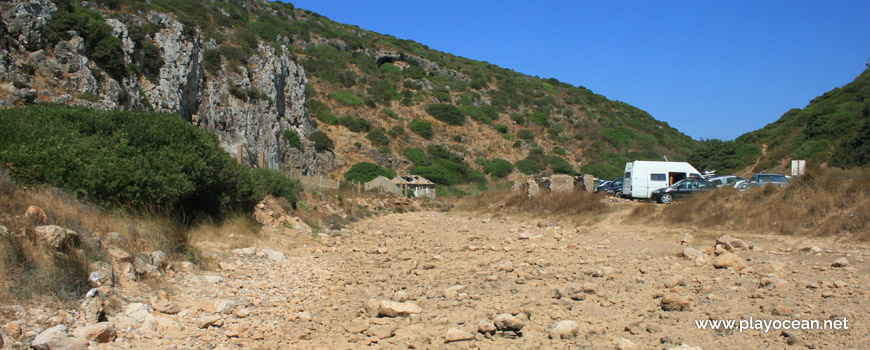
x=712, y=69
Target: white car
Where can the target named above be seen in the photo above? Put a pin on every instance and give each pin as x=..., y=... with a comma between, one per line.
x=726, y=181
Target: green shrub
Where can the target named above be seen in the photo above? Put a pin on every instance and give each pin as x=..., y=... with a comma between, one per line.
x=415, y=155
x=397, y=131
x=292, y=138
x=446, y=113
x=390, y=113
x=443, y=167
x=442, y=96
x=212, y=60
x=365, y=172
x=412, y=85
x=389, y=68
x=322, y=142
x=277, y=184
x=535, y=162
x=378, y=137
x=135, y=159
x=559, y=151
x=355, y=124
x=476, y=114
x=518, y=118
x=327, y=117
x=501, y=128
x=526, y=134
x=414, y=72
x=383, y=91
x=346, y=98
x=540, y=118
x=560, y=166
x=421, y=128
x=499, y=168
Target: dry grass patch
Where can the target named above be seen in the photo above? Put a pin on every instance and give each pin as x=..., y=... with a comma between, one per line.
x=577, y=207
x=30, y=269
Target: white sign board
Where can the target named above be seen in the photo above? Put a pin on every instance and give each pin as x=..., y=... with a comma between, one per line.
x=797, y=167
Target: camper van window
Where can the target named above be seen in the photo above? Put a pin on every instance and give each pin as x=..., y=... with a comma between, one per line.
x=627, y=175
x=658, y=177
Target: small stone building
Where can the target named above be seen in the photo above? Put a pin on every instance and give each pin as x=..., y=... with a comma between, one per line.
x=416, y=184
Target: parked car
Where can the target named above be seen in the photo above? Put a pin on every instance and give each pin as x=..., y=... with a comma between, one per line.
x=761, y=180
x=680, y=189
x=726, y=181
x=613, y=187
x=602, y=185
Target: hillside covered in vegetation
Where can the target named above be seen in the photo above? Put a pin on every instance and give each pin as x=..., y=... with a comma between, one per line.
x=369, y=97
x=833, y=129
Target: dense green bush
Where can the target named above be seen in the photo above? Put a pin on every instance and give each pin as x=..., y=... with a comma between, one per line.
x=560, y=166
x=498, y=168
x=535, y=162
x=277, y=184
x=126, y=158
x=365, y=172
x=414, y=72
x=446, y=113
x=326, y=117
x=384, y=91
x=476, y=114
x=355, y=124
x=292, y=138
x=389, y=68
x=421, y=128
x=501, y=128
x=526, y=134
x=518, y=118
x=378, y=137
x=442, y=166
x=390, y=113
x=397, y=131
x=346, y=98
x=416, y=155
x=322, y=142
x=855, y=150
x=540, y=118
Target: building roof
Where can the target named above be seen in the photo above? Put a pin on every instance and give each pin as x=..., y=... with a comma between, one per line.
x=412, y=180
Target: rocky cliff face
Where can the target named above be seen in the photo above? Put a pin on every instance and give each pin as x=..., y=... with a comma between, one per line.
x=31, y=70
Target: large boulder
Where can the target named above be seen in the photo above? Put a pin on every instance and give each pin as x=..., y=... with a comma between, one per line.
x=56, y=338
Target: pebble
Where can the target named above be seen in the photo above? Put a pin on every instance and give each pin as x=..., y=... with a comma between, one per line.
x=455, y=334
x=841, y=262
x=565, y=330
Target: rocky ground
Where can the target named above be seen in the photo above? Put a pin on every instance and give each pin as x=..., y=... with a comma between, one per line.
x=443, y=280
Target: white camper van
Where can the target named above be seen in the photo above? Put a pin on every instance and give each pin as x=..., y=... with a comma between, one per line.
x=643, y=177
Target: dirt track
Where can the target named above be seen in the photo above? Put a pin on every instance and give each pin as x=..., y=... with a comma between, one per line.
x=610, y=278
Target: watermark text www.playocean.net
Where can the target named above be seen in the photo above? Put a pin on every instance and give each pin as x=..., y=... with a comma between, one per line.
x=773, y=325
